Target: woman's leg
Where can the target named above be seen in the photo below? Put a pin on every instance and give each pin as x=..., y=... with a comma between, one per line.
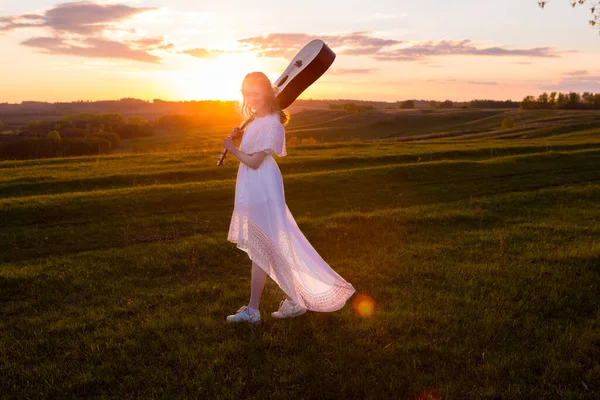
x=259, y=278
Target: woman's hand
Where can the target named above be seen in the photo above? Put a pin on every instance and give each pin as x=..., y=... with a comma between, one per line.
x=228, y=144
x=236, y=132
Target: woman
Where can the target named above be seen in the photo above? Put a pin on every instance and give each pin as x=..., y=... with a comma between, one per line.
x=262, y=224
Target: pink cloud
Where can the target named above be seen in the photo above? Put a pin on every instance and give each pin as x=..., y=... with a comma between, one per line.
x=77, y=30
x=424, y=50
x=576, y=73
x=286, y=45
x=203, y=53
x=351, y=71
x=90, y=47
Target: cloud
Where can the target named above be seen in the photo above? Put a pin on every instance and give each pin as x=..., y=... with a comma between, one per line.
x=575, y=81
x=286, y=45
x=91, y=47
x=572, y=86
x=203, y=53
x=351, y=71
x=481, y=83
x=423, y=50
x=461, y=81
x=151, y=44
x=587, y=78
x=80, y=28
x=576, y=73
x=82, y=17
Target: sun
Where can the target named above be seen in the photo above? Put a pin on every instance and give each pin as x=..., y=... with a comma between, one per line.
x=213, y=79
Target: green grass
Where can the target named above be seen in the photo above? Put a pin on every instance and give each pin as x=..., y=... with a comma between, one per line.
x=335, y=126
x=482, y=257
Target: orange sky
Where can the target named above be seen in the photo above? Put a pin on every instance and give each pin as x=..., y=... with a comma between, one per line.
x=386, y=50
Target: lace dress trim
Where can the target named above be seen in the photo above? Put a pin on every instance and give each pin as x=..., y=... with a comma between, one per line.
x=277, y=262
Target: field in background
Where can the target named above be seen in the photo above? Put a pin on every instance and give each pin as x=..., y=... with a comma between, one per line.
x=331, y=126
x=482, y=256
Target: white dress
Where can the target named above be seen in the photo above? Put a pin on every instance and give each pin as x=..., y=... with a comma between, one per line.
x=263, y=226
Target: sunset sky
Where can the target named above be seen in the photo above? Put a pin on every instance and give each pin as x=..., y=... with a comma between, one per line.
x=386, y=49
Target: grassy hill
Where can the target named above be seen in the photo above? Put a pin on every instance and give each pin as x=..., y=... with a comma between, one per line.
x=333, y=126
x=481, y=255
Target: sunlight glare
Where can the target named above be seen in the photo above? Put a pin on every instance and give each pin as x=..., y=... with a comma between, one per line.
x=363, y=305
x=214, y=79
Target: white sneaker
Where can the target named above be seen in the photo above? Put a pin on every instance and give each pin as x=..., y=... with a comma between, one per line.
x=244, y=315
x=288, y=309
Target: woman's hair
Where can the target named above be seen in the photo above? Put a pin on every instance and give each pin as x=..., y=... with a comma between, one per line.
x=264, y=83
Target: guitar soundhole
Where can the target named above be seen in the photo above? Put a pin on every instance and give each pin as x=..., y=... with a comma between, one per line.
x=285, y=78
x=298, y=63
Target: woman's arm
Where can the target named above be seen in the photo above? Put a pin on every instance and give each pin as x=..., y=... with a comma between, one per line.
x=252, y=160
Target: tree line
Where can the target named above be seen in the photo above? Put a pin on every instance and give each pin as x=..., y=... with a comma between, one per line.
x=411, y=104
x=87, y=133
x=571, y=100
x=73, y=135
x=351, y=108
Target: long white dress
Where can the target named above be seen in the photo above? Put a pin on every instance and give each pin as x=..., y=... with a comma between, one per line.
x=263, y=227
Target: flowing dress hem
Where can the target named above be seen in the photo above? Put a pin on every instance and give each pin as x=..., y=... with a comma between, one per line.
x=266, y=255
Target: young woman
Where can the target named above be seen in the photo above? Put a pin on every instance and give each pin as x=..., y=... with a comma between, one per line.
x=262, y=224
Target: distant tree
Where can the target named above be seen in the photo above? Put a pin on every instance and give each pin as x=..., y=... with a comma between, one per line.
x=543, y=100
x=561, y=100
x=594, y=9
x=407, y=104
x=571, y=100
x=508, y=123
x=73, y=132
x=493, y=104
x=447, y=104
x=112, y=137
x=552, y=99
x=54, y=135
x=529, y=103
x=574, y=100
x=84, y=117
x=33, y=127
x=351, y=108
x=136, y=120
x=588, y=99
x=112, y=120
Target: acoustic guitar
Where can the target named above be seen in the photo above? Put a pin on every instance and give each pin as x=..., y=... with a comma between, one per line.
x=309, y=64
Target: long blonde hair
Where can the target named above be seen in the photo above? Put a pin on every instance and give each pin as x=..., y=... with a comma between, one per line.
x=264, y=83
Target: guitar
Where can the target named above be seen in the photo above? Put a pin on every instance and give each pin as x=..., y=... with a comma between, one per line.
x=309, y=64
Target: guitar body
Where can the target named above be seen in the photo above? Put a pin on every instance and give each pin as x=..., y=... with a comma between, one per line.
x=309, y=64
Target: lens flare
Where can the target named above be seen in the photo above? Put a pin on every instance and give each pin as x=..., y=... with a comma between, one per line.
x=363, y=305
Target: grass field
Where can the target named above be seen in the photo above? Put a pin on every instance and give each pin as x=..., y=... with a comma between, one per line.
x=334, y=126
x=482, y=257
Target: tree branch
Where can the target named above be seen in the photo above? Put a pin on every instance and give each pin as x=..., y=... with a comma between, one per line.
x=594, y=9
